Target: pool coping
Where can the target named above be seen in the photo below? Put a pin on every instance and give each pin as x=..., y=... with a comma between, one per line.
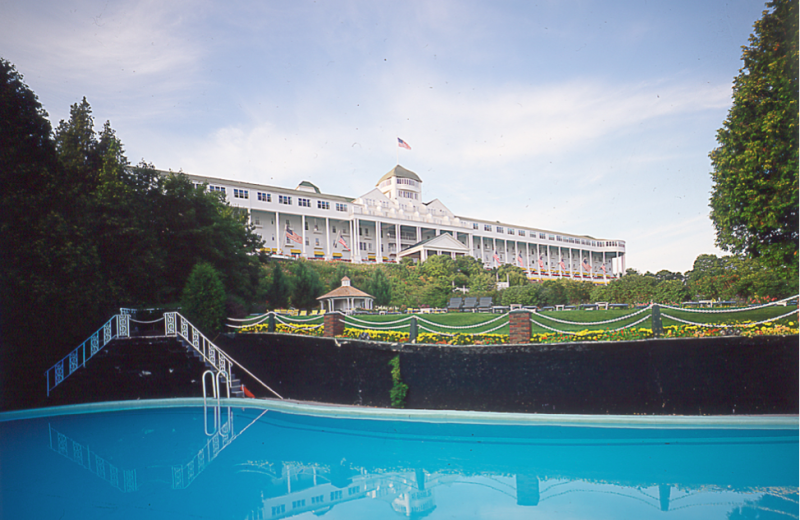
x=746, y=422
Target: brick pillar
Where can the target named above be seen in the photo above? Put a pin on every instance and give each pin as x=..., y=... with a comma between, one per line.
x=334, y=324
x=519, y=323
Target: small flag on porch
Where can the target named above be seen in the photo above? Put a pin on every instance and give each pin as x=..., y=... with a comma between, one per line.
x=563, y=266
x=519, y=260
x=343, y=243
x=541, y=263
x=496, y=258
x=586, y=265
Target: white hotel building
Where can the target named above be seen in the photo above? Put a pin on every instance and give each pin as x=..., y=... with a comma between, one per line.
x=391, y=222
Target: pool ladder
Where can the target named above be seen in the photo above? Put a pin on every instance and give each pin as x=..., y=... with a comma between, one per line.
x=216, y=396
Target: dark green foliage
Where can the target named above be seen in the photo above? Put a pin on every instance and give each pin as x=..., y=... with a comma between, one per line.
x=379, y=287
x=203, y=299
x=279, y=288
x=754, y=199
x=397, y=394
x=83, y=232
x=306, y=287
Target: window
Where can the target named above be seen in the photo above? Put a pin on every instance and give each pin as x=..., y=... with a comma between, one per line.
x=333, y=228
x=316, y=242
x=551, y=237
x=321, y=204
x=407, y=194
x=317, y=500
x=220, y=189
x=474, y=225
x=510, y=231
x=341, y=207
x=541, y=235
x=306, y=203
x=362, y=246
x=284, y=199
x=257, y=221
x=353, y=490
x=336, y=495
x=408, y=182
x=240, y=194
x=499, y=229
x=278, y=510
x=521, y=232
x=487, y=227
x=264, y=197
x=299, y=503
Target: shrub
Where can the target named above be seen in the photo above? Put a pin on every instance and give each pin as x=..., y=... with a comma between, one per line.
x=203, y=300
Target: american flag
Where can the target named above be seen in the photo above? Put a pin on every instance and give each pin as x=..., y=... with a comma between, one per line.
x=541, y=263
x=291, y=235
x=519, y=260
x=344, y=244
x=403, y=144
x=587, y=265
x=496, y=258
x=603, y=267
x=563, y=266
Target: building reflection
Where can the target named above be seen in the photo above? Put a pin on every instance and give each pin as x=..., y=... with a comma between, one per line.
x=273, y=487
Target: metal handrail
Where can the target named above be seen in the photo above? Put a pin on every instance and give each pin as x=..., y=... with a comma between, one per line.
x=117, y=327
x=176, y=325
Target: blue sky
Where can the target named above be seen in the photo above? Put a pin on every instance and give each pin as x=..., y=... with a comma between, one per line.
x=584, y=117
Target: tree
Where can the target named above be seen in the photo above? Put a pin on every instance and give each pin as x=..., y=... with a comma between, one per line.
x=379, y=287
x=279, y=289
x=203, y=300
x=307, y=286
x=754, y=200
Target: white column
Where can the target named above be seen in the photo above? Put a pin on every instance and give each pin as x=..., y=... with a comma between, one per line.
x=605, y=274
x=397, y=228
x=303, y=245
x=278, y=236
x=328, y=246
x=419, y=234
x=379, y=251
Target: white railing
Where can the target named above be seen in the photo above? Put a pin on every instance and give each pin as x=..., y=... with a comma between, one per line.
x=176, y=325
x=117, y=327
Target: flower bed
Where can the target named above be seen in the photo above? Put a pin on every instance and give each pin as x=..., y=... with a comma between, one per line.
x=673, y=331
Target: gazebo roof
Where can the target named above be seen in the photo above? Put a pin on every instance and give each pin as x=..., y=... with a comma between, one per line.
x=345, y=291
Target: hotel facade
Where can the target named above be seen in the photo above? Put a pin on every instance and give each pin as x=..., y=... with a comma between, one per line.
x=391, y=222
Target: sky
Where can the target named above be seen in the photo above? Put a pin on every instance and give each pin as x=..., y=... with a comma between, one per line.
x=583, y=117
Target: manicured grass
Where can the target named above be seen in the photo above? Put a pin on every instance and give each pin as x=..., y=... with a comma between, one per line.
x=581, y=318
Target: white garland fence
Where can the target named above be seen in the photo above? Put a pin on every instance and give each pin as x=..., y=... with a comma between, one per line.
x=738, y=309
x=725, y=326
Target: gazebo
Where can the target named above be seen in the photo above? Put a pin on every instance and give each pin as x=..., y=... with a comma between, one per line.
x=345, y=298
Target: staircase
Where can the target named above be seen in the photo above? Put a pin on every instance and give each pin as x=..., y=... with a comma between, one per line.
x=142, y=367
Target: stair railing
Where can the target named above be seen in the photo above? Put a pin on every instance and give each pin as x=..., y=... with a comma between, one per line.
x=117, y=327
x=176, y=325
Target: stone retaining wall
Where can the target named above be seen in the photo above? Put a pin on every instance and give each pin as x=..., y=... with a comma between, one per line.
x=694, y=376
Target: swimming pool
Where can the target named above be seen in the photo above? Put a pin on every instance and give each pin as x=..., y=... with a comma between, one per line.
x=171, y=459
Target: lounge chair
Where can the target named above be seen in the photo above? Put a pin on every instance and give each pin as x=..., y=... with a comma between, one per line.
x=470, y=304
x=455, y=304
x=485, y=304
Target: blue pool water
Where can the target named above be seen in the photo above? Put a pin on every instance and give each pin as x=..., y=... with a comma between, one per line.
x=167, y=459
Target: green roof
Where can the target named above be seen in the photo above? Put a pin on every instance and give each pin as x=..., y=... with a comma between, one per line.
x=399, y=171
x=309, y=185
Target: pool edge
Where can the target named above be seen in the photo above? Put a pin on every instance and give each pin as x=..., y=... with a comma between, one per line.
x=775, y=422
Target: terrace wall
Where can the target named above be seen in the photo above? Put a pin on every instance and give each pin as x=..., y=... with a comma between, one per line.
x=690, y=376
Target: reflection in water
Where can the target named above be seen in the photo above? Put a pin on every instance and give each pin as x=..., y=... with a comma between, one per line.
x=262, y=464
